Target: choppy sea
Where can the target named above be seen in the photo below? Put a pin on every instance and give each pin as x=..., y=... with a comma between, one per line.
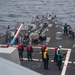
x=13, y=11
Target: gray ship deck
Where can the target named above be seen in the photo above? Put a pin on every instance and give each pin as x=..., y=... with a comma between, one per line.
x=68, y=61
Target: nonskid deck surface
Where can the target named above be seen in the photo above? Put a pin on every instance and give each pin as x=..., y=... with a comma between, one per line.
x=66, y=42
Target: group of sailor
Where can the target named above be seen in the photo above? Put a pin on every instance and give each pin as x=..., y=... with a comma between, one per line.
x=45, y=57
x=68, y=31
x=21, y=50
x=57, y=57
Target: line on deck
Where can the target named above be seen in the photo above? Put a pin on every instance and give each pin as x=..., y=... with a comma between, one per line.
x=70, y=62
x=52, y=48
x=48, y=39
x=66, y=62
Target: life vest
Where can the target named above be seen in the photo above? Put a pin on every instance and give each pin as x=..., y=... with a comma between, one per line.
x=29, y=48
x=43, y=47
x=55, y=49
x=59, y=57
x=45, y=55
x=20, y=46
x=65, y=27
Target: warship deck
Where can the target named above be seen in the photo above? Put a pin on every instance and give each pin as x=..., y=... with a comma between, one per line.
x=68, y=66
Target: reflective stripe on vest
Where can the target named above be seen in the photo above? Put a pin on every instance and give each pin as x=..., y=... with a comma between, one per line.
x=45, y=55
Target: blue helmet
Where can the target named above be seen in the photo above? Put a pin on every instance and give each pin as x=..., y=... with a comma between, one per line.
x=29, y=43
x=8, y=42
x=57, y=45
x=21, y=43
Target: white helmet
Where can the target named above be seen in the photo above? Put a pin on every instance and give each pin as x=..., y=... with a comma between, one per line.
x=60, y=46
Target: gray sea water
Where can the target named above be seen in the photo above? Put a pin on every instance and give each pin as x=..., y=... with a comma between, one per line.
x=13, y=11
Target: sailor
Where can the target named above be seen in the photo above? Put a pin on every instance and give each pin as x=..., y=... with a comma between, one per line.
x=59, y=57
x=55, y=51
x=43, y=47
x=65, y=29
x=29, y=52
x=73, y=34
x=46, y=59
x=21, y=50
x=69, y=30
x=59, y=49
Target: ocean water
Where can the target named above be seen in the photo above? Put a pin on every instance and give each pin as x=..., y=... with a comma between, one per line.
x=13, y=11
